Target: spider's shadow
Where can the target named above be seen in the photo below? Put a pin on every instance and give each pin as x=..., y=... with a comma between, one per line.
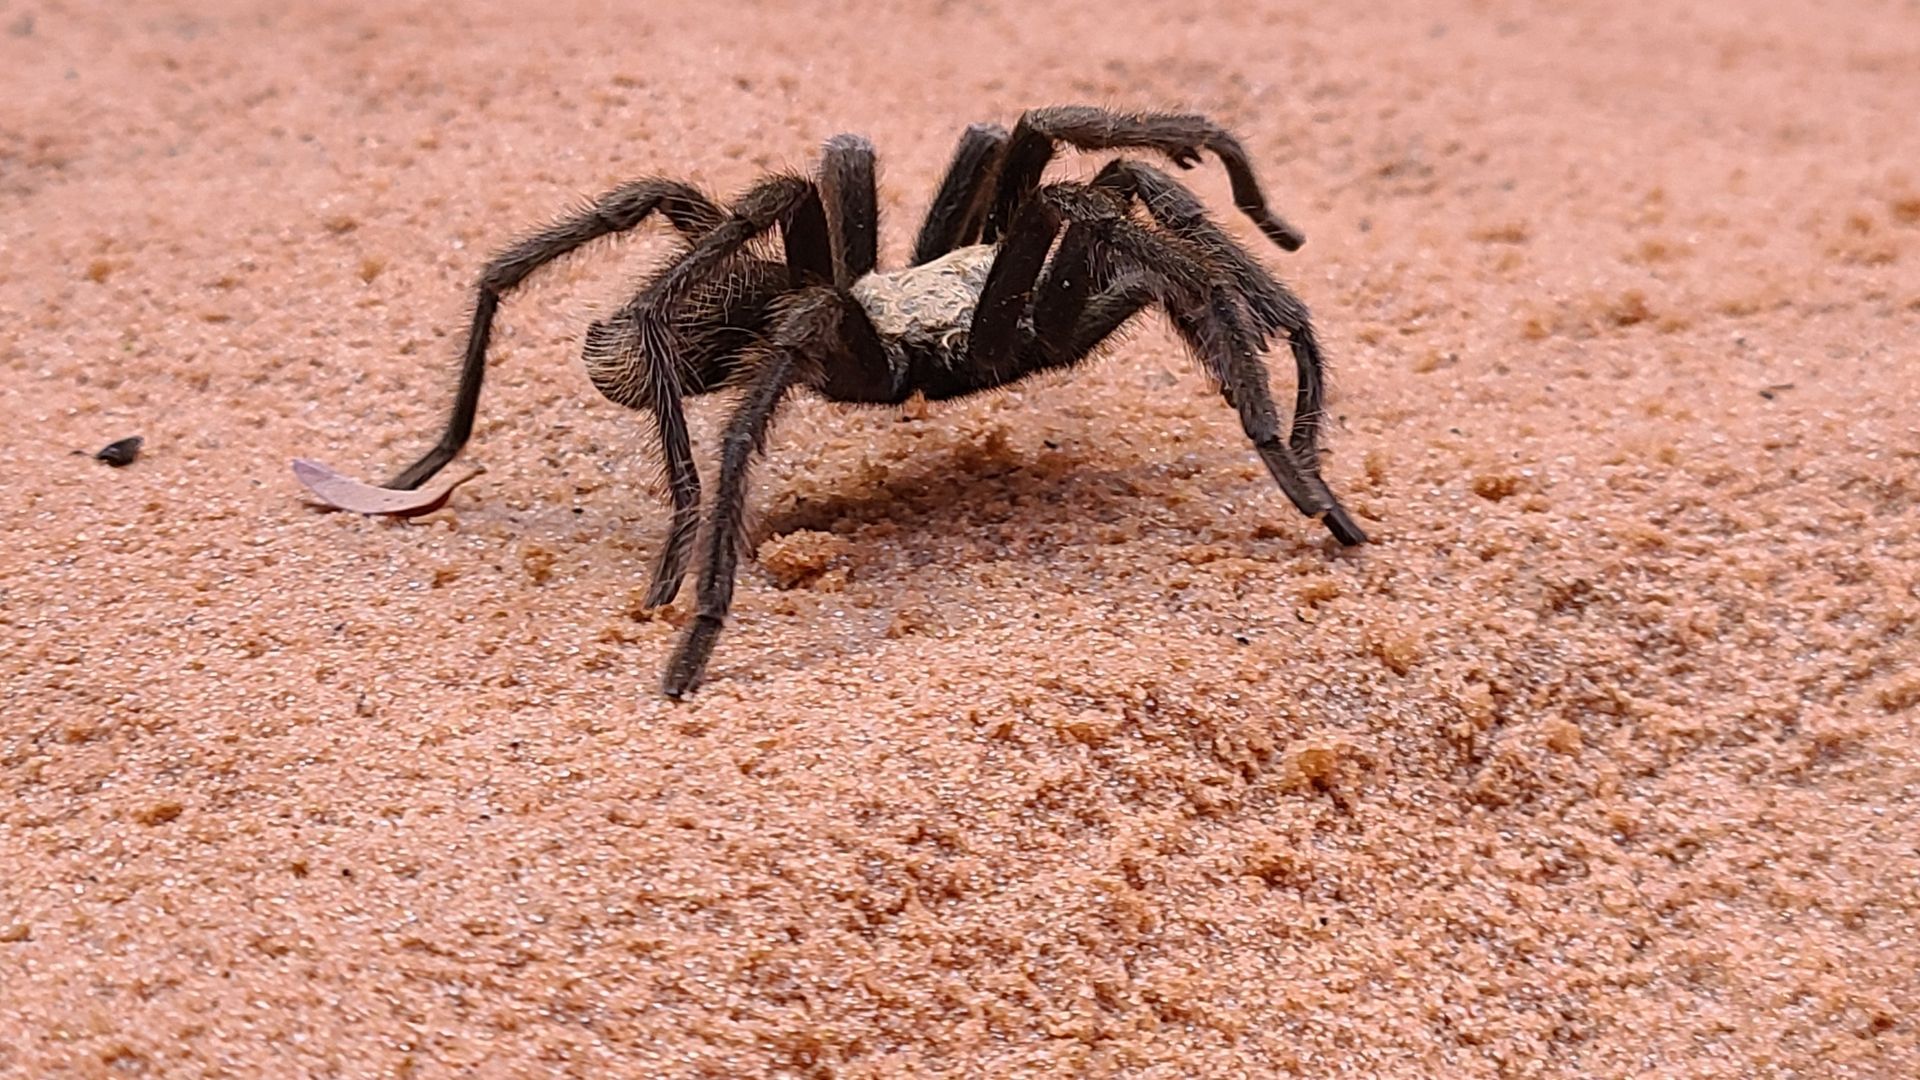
x=968, y=501
x=1035, y=502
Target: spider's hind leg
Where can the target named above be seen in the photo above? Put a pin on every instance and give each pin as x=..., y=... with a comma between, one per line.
x=819, y=338
x=791, y=203
x=717, y=324
x=771, y=375
x=616, y=211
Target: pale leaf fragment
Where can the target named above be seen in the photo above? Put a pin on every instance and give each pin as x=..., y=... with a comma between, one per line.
x=346, y=493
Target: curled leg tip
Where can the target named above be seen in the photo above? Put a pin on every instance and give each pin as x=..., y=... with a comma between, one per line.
x=690, y=659
x=1285, y=235
x=677, y=684
x=661, y=592
x=423, y=470
x=1343, y=527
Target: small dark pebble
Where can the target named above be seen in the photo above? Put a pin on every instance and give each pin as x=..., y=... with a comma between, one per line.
x=120, y=453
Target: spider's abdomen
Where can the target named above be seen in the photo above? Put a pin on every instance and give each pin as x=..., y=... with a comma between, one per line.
x=717, y=322
x=925, y=311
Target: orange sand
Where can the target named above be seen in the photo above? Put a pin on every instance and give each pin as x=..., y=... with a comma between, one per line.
x=1047, y=740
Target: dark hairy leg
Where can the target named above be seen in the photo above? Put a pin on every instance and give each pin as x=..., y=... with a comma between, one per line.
x=1203, y=302
x=1212, y=326
x=1180, y=137
x=959, y=208
x=745, y=436
x=1068, y=321
x=1107, y=311
x=777, y=200
x=616, y=211
x=1035, y=312
x=790, y=202
x=1064, y=291
x=853, y=208
x=1007, y=296
x=1272, y=305
x=810, y=336
x=1030, y=313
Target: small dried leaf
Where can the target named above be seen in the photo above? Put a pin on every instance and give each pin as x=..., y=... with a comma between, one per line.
x=346, y=493
x=120, y=453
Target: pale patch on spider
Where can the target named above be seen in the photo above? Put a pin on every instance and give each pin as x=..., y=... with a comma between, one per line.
x=930, y=304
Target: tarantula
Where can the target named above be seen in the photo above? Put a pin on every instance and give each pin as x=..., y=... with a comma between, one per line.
x=1010, y=277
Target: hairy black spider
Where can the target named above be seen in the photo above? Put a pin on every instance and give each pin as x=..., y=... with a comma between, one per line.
x=1010, y=277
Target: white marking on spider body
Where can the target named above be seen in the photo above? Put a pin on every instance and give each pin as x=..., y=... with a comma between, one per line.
x=930, y=304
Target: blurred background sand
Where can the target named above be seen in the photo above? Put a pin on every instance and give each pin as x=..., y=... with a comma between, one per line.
x=1047, y=740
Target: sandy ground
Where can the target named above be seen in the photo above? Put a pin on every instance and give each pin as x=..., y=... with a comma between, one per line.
x=1082, y=754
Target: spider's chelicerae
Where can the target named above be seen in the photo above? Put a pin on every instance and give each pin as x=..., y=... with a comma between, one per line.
x=1010, y=277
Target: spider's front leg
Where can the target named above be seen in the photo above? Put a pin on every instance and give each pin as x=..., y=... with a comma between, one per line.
x=1208, y=313
x=1180, y=137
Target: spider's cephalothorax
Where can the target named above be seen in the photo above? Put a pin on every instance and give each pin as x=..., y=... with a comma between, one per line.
x=1010, y=277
